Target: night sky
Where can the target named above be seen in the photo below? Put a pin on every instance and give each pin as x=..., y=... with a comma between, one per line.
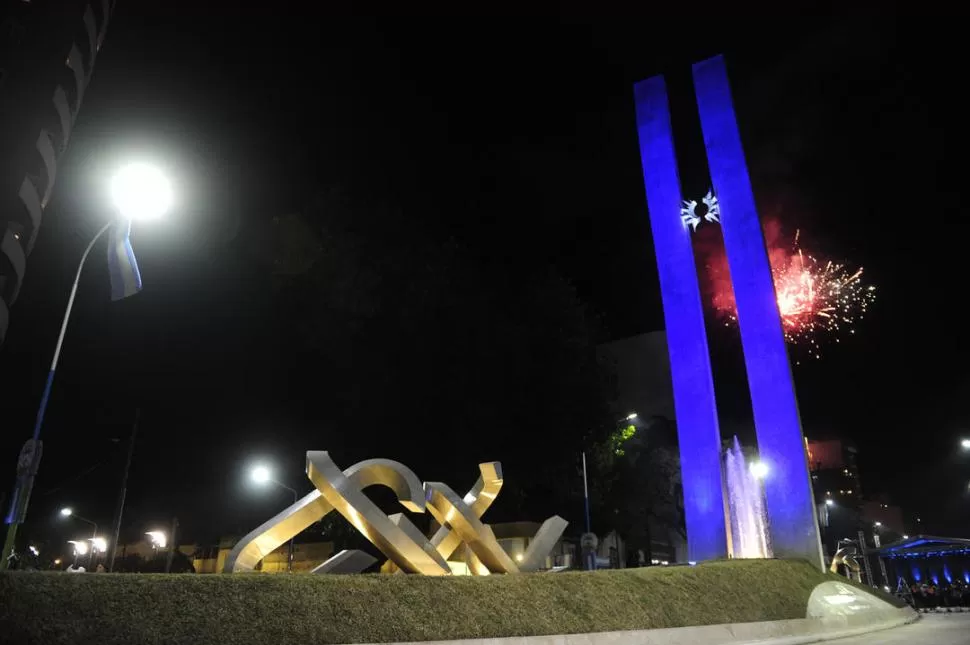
x=517, y=138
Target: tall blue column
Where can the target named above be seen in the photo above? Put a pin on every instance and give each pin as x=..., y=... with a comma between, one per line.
x=788, y=490
x=690, y=366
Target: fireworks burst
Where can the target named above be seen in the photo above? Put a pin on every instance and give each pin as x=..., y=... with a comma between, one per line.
x=817, y=299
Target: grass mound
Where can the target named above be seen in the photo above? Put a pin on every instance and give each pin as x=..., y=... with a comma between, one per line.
x=109, y=609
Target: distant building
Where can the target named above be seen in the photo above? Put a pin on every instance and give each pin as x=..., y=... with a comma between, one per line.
x=884, y=516
x=835, y=474
x=47, y=53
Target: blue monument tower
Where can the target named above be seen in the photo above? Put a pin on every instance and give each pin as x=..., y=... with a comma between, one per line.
x=792, y=521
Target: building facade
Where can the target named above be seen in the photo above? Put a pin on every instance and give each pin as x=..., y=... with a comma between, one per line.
x=47, y=53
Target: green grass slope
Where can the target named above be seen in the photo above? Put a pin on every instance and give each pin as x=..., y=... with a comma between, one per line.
x=56, y=608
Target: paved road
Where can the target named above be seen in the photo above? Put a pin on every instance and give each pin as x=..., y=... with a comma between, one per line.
x=933, y=629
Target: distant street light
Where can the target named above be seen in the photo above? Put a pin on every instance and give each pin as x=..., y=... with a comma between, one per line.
x=759, y=469
x=877, y=524
x=158, y=539
x=965, y=444
x=262, y=475
x=80, y=548
x=830, y=502
x=139, y=192
x=67, y=512
x=631, y=416
x=99, y=544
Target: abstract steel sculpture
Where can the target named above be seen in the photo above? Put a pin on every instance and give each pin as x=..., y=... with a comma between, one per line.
x=406, y=548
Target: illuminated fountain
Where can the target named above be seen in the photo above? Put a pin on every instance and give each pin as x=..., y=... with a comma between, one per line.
x=747, y=519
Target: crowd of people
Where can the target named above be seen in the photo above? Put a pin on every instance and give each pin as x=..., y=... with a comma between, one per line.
x=929, y=595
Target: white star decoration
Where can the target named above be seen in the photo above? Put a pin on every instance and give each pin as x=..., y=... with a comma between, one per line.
x=689, y=216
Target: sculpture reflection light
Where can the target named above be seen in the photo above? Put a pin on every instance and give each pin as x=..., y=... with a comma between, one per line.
x=406, y=548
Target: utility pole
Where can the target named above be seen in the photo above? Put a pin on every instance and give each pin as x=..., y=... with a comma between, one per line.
x=120, y=508
x=172, y=545
x=586, y=495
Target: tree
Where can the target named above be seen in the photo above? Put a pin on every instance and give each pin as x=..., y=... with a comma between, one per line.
x=641, y=490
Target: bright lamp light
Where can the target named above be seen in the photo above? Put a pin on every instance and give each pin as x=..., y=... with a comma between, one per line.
x=66, y=512
x=80, y=546
x=158, y=538
x=759, y=469
x=965, y=443
x=830, y=502
x=261, y=474
x=99, y=544
x=141, y=191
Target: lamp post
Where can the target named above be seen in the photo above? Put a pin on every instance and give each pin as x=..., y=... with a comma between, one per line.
x=68, y=512
x=98, y=545
x=80, y=548
x=139, y=192
x=262, y=475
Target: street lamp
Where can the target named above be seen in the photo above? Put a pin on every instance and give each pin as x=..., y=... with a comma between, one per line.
x=759, y=469
x=139, y=191
x=262, y=475
x=80, y=548
x=965, y=444
x=68, y=512
x=158, y=539
x=830, y=502
x=98, y=545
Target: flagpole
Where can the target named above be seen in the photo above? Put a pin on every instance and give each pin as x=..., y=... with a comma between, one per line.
x=32, y=449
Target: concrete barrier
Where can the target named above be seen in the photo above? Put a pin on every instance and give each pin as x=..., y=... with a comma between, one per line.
x=834, y=611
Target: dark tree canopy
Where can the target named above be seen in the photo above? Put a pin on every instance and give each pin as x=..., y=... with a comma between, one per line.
x=409, y=342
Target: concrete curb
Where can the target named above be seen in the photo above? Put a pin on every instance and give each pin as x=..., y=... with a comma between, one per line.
x=774, y=632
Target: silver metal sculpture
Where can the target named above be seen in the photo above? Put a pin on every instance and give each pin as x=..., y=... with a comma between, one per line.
x=347, y=561
x=406, y=548
x=688, y=212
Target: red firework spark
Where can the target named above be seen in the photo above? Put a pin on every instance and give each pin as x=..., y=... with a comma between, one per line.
x=816, y=298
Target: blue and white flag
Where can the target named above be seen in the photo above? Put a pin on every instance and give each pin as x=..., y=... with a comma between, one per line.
x=125, y=279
